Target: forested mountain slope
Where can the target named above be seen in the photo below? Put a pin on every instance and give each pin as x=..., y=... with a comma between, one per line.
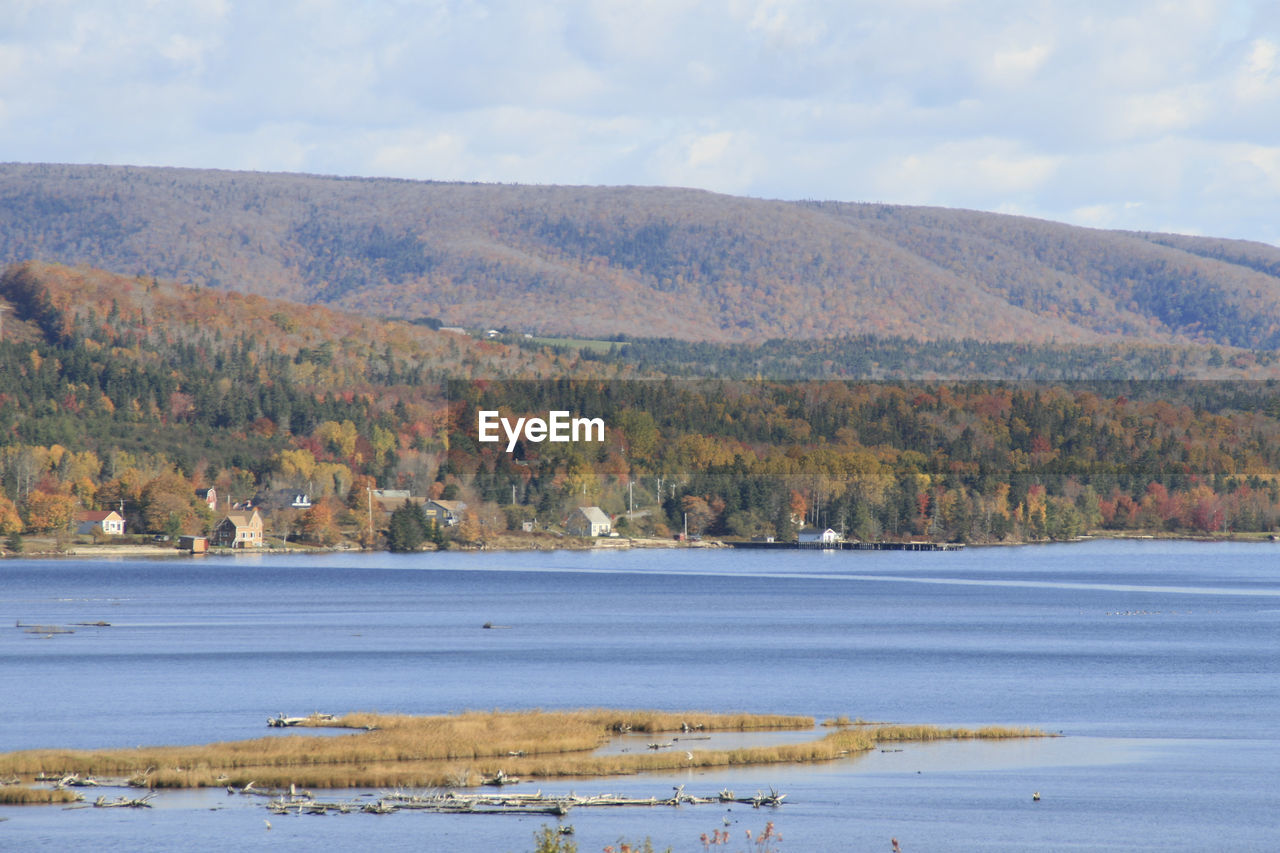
x=97, y=361
x=127, y=391
x=678, y=263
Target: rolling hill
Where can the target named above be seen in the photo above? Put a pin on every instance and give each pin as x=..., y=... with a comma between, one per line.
x=653, y=262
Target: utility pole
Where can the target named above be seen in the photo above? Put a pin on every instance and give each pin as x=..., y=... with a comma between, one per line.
x=369, y=494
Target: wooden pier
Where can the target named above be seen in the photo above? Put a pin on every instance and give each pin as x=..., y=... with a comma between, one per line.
x=851, y=546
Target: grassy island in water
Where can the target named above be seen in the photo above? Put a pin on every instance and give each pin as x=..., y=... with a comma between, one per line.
x=457, y=751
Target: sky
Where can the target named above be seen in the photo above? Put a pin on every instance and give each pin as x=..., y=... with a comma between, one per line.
x=1154, y=116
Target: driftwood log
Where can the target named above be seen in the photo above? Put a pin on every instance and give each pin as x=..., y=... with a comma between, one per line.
x=74, y=780
x=124, y=802
x=314, y=719
x=452, y=802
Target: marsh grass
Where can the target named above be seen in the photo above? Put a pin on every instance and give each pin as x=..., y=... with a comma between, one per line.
x=460, y=750
x=18, y=795
x=844, y=722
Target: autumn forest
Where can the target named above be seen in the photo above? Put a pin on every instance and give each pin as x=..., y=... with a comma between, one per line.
x=132, y=392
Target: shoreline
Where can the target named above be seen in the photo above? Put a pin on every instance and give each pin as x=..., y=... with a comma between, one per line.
x=160, y=551
x=516, y=542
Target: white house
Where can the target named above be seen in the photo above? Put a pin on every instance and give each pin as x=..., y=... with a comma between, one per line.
x=109, y=522
x=824, y=537
x=589, y=521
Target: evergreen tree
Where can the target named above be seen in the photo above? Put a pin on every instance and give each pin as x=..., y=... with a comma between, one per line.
x=408, y=529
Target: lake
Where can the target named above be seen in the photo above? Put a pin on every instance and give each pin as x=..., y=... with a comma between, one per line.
x=1157, y=661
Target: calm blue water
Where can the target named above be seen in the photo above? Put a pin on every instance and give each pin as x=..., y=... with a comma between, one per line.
x=1157, y=661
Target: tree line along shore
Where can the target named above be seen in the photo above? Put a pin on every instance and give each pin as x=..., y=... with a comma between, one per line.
x=129, y=395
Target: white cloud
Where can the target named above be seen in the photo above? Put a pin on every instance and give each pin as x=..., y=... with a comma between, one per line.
x=419, y=154
x=953, y=171
x=12, y=59
x=1267, y=162
x=786, y=24
x=1250, y=172
x=1017, y=64
x=1259, y=78
x=1110, y=215
x=708, y=150
x=1058, y=109
x=723, y=161
x=1156, y=113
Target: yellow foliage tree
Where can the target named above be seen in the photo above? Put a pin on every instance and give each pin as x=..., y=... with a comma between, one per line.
x=10, y=520
x=340, y=437
x=297, y=465
x=383, y=441
x=331, y=478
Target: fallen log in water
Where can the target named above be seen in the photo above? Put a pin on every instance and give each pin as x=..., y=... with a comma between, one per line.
x=46, y=630
x=314, y=719
x=74, y=780
x=141, y=779
x=124, y=802
x=497, y=780
x=277, y=793
x=303, y=805
x=537, y=803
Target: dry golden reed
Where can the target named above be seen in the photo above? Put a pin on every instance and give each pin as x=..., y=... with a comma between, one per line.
x=18, y=795
x=461, y=750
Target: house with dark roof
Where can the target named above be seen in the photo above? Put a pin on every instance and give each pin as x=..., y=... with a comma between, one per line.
x=445, y=513
x=239, y=530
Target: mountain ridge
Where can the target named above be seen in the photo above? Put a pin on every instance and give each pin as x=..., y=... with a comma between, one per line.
x=655, y=261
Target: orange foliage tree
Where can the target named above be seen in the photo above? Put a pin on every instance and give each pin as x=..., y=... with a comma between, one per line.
x=49, y=511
